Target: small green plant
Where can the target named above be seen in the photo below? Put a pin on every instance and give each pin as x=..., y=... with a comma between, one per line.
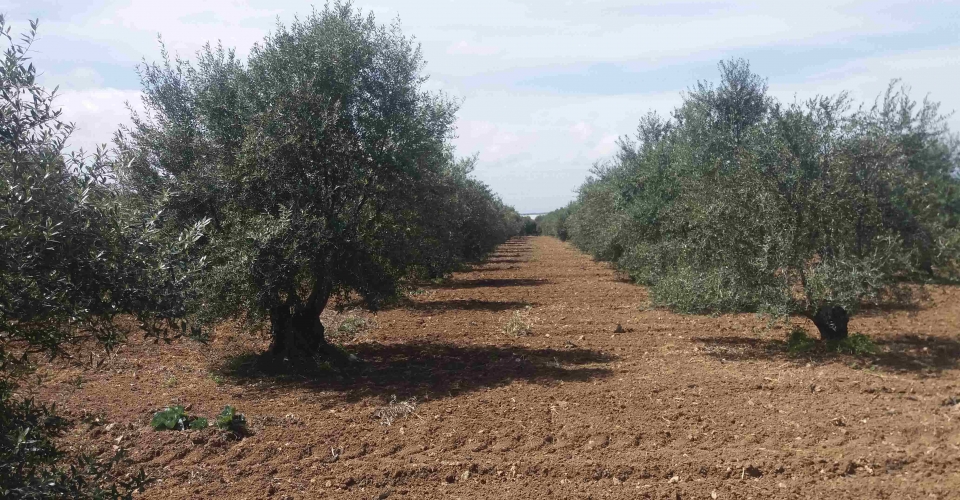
x=857, y=344
x=217, y=379
x=199, y=423
x=324, y=366
x=352, y=325
x=170, y=418
x=230, y=420
x=170, y=382
x=799, y=342
x=175, y=418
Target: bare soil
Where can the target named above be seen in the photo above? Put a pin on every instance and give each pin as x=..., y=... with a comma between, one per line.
x=673, y=407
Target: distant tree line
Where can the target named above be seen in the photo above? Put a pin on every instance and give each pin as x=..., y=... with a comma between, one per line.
x=262, y=189
x=738, y=202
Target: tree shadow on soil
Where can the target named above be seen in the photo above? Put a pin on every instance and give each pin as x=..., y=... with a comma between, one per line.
x=437, y=306
x=873, y=310
x=425, y=368
x=492, y=283
x=503, y=261
x=901, y=352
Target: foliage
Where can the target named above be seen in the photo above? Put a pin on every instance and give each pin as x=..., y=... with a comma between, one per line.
x=199, y=423
x=171, y=418
x=352, y=325
x=530, y=227
x=230, y=420
x=324, y=167
x=555, y=223
x=857, y=344
x=72, y=258
x=738, y=202
x=32, y=467
x=799, y=342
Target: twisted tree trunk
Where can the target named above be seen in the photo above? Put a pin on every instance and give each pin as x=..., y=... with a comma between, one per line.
x=831, y=321
x=297, y=330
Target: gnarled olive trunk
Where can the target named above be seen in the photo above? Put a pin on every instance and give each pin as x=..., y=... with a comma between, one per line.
x=296, y=329
x=832, y=322
x=296, y=334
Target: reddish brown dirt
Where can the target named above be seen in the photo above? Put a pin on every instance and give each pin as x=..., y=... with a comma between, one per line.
x=674, y=407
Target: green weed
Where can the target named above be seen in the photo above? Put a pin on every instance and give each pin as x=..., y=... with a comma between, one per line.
x=799, y=342
x=199, y=423
x=857, y=344
x=352, y=325
x=171, y=418
x=230, y=420
x=175, y=418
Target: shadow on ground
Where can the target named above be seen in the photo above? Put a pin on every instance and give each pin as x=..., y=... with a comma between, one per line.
x=902, y=352
x=438, y=370
x=493, y=283
x=436, y=306
x=872, y=310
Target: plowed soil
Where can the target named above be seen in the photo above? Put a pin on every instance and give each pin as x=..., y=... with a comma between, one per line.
x=671, y=407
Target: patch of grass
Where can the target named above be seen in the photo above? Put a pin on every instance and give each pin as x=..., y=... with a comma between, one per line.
x=799, y=342
x=352, y=325
x=170, y=382
x=217, y=379
x=348, y=327
x=857, y=344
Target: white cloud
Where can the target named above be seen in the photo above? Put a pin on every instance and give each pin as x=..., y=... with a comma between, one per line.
x=932, y=73
x=97, y=113
x=606, y=146
x=464, y=47
x=581, y=131
x=82, y=77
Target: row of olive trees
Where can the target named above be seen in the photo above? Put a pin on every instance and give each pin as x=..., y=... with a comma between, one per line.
x=73, y=256
x=742, y=203
x=555, y=223
x=319, y=167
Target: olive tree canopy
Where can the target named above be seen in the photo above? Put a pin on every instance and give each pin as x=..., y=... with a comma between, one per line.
x=741, y=203
x=323, y=164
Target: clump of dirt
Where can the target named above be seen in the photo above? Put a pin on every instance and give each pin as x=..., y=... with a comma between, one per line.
x=608, y=399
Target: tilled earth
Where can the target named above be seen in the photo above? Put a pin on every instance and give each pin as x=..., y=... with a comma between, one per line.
x=668, y=406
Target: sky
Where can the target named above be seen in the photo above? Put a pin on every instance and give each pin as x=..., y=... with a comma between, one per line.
x=547, y=86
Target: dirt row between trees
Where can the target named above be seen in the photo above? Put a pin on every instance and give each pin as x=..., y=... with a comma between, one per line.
x=672, y=407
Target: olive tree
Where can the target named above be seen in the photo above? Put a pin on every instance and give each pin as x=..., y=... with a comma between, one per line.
x=72, y=258
x=324, y=167
x=742, y=203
